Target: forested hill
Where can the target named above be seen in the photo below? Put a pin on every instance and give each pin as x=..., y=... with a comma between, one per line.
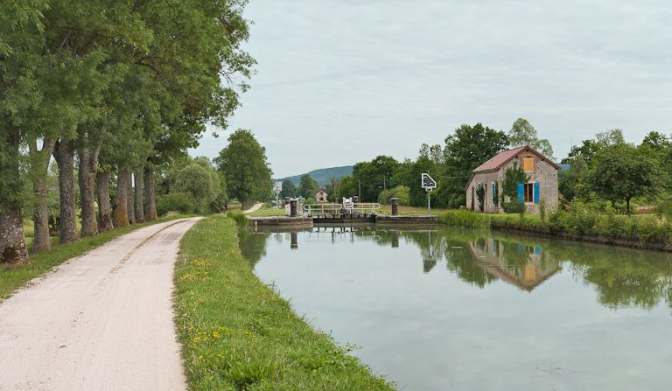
x=322, y=175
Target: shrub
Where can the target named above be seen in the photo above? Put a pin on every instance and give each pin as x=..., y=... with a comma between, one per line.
x=513, y=207
x=664, y=209
x=240, y=219
x=403, y=193
x=465, y=218
x=581, y=220
x=175, y=202
x=556, y=221
x=652, y=230
x=542, y=210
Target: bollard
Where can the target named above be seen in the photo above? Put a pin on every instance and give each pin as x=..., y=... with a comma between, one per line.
x=355, y=199
x=295, y=241
x=292, y=208
x=395, y=206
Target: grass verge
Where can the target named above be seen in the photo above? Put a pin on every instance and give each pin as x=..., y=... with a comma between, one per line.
x=239, y=334
x=14, y=277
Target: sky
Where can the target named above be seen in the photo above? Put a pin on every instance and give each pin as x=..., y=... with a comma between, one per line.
x=342, y=81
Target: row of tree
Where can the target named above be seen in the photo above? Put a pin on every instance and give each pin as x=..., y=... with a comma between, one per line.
x=451, y=165
x=605, y=168
x=113, y=90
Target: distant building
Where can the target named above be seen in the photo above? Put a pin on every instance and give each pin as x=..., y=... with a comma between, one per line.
x=321, y=196
x=542, y=183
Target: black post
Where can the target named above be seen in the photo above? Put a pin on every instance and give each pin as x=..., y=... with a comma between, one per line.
x=395, y=206
x=293, y=207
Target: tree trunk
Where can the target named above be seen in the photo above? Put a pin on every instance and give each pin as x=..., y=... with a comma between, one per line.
x=12, y=242
x=121, y=199
x=150, y=211
x=88, y=166
x=130, y=207
x=628, y=206
x=39, y=171
x=65, y=158
x=104, y=209
x=139, y=212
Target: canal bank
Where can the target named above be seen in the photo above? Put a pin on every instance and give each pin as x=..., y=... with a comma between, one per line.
x=238, y=333
x=640, y=232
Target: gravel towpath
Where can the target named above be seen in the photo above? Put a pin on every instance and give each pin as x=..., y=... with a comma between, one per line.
x=101, y=321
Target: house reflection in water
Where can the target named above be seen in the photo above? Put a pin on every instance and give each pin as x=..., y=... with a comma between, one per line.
x=525, y=266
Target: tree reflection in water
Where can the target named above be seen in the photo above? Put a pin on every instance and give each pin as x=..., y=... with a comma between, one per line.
x=622, y=277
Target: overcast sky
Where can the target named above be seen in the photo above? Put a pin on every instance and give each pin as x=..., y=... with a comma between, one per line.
x=342, y=81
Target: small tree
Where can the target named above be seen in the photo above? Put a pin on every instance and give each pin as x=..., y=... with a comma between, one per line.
x=480, y=194
x=623, y=171
x=512, y=177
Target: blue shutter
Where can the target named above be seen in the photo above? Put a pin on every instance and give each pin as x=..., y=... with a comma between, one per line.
x=521, y=193
x=536, y=192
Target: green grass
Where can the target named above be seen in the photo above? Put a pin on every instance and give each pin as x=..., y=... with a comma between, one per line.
x=410, y=210
x=239, y=334
x=268, y=212
x=14, y=277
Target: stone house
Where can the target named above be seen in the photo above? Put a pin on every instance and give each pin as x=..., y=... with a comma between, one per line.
x=321, y=196
x=541, y=185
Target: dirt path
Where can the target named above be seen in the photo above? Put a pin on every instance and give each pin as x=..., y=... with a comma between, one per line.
x=255, y=208
x=102, y=321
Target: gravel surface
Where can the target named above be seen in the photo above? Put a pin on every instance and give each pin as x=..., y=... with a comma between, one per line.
x=102, y=321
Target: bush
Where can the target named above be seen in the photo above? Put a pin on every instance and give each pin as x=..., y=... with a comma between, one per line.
x=175, y=202
x=513, y=207
x=240, y=219
x=403, y=193
x=556, y=221
x=664, y=209
x=581, y=220
x=652, y=230
x=465, y=218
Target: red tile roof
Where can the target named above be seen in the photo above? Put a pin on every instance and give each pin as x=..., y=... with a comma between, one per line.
x=502, y=158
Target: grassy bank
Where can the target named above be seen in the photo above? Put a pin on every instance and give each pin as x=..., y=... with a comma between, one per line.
x=238, y=334
x=643, y=231
x=14, y=277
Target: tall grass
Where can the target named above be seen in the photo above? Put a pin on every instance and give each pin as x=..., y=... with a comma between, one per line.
x=464, y=218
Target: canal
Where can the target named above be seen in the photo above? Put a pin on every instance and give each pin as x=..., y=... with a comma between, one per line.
x=455, y=309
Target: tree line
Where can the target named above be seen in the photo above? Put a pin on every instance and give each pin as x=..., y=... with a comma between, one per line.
x=113, y=90
x=602, y=169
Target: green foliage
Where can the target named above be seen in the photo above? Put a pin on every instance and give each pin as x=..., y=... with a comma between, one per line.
x=480, y=195
x=239, y=217
x=466, y=149
x=175, y=202
x=622, y=171
x=198, y=178
x=513, y=207
x=307, y=187
x=464, y=218
x=542, y=210
x=512, y=177
x=523, y=133
x=288, y=189
x=243, y=162
x=374, y=176
x=402, y=193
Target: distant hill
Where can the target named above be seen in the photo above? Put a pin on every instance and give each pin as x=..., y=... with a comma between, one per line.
x=322, y=175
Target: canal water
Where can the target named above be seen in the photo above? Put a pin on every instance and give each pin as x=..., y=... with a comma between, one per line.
x=454, y=309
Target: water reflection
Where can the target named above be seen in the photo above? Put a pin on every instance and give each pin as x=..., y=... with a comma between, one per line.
x=622, y=277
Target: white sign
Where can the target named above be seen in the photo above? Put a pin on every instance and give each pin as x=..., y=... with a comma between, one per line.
x=428, y=183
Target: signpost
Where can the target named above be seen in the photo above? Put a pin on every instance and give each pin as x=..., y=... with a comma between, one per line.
x=428, y=183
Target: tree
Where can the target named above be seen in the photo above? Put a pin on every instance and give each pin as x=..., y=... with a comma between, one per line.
x=512, y=177
x=570, y=180
x=374, y=176
x=622, y=171
x=307, y=186
x=466, y=149
x=288, y=189
x=243, y=163
x=523, y=133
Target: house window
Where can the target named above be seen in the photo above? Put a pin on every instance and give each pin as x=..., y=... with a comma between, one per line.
x=528, y=164
x=529, y=192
